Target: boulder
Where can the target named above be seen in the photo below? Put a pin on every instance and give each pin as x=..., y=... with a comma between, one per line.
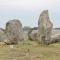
x=33, y=35
x=44, y=27
x=14, y=32
x=3, y=37
x=55, y=36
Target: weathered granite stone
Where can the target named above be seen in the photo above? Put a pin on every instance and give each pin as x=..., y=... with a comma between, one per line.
x=33, y=35
x=2, y=37
x=55, y=36
x=44, y=27
x=14, y=32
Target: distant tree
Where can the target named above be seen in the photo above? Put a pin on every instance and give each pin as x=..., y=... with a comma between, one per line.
x=57, y=28
x=26, y=28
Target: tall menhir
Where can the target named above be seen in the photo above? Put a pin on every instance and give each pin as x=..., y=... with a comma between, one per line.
x=44, y=27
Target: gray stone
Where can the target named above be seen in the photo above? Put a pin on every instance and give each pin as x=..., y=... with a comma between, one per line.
x=55, y=36
x=44, y=27
x=33, y=35
x=14, y=32
x=3, y=37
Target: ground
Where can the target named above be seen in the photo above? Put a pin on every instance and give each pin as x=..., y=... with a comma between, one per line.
x=30, y=50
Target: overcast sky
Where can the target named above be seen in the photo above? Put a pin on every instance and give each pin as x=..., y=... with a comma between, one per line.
x=28, y=11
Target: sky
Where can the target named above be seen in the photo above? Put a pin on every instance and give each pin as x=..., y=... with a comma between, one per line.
x=28, y=11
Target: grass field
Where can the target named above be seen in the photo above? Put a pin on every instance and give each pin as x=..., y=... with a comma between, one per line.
x=30, y=51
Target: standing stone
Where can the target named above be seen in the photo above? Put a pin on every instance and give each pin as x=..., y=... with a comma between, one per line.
x=14, y=32
x=45, y=28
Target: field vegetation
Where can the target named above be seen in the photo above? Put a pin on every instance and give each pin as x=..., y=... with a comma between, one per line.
x=30, y=50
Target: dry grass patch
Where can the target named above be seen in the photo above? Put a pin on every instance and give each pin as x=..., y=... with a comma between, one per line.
x=30, y=51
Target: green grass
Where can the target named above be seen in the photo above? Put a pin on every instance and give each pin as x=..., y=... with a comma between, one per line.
x=30, y=50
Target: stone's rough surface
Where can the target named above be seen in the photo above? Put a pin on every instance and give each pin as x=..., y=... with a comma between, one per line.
x=2, y=37
x=33, y=35
x=55, y=36
x=45, y=27
x=14, y=32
